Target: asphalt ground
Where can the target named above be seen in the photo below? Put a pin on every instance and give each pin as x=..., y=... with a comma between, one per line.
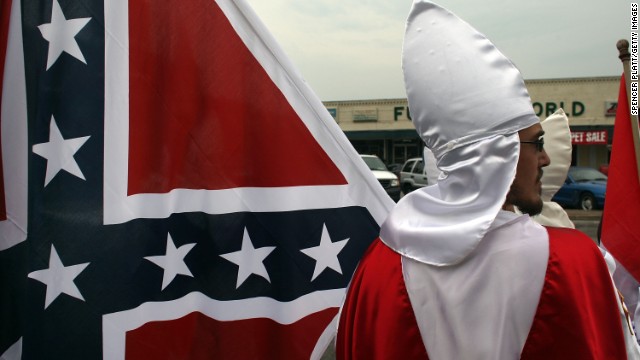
x=586, y=221
x=577, y=214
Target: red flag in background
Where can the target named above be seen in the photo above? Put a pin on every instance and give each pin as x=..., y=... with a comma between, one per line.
x=622, y=207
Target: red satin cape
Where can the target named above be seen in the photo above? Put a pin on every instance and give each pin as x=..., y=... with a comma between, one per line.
x=577, y=316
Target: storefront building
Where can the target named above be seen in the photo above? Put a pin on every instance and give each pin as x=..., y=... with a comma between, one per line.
x=383, y=127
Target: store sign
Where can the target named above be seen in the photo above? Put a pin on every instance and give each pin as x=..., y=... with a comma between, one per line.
x=594, y=137
x=400, y=111
x=574, y=108
x=610, y=108
x=365, y=115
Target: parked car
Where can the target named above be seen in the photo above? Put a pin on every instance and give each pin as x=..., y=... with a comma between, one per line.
x=395, y=168
x=413, y=175
x=584, y=188
x=604, y=168
x=387, y=179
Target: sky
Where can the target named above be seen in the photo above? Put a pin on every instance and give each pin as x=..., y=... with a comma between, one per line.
x=351, y=50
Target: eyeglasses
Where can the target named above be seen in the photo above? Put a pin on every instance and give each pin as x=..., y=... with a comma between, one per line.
x=538, y=143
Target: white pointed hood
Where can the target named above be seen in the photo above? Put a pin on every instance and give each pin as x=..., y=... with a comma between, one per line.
x=557, y=142
x=467, y=102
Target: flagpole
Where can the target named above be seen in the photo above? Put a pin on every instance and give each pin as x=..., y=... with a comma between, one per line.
x=625, y=56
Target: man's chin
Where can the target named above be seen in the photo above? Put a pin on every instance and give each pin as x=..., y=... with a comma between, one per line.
x=531, y=208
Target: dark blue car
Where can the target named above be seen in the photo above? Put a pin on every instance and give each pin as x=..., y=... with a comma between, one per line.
x=583, y=189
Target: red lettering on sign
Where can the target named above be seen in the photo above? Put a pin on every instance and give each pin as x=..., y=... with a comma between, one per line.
x=594, y=137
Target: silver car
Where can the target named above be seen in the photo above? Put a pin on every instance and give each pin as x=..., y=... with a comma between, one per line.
x=387, y=179
x=413, y=175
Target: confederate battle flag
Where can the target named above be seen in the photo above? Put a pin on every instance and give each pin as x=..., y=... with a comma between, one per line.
x=171, y=187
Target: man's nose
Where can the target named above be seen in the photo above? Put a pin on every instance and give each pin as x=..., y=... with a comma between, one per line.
x=544, y=158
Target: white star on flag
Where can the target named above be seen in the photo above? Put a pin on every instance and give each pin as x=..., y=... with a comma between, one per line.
x=173, y=261
x=59, y=278
x=326, y=254
x=60, y=33
x=249, y=260
x=59, y=153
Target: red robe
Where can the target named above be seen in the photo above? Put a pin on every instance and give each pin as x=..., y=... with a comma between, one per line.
x=577, y=315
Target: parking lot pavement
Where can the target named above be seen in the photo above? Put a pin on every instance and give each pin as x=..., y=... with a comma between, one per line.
x=586, y=221
x=577, y=214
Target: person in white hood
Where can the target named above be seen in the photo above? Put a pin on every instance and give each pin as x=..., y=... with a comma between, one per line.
x=456, y=272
